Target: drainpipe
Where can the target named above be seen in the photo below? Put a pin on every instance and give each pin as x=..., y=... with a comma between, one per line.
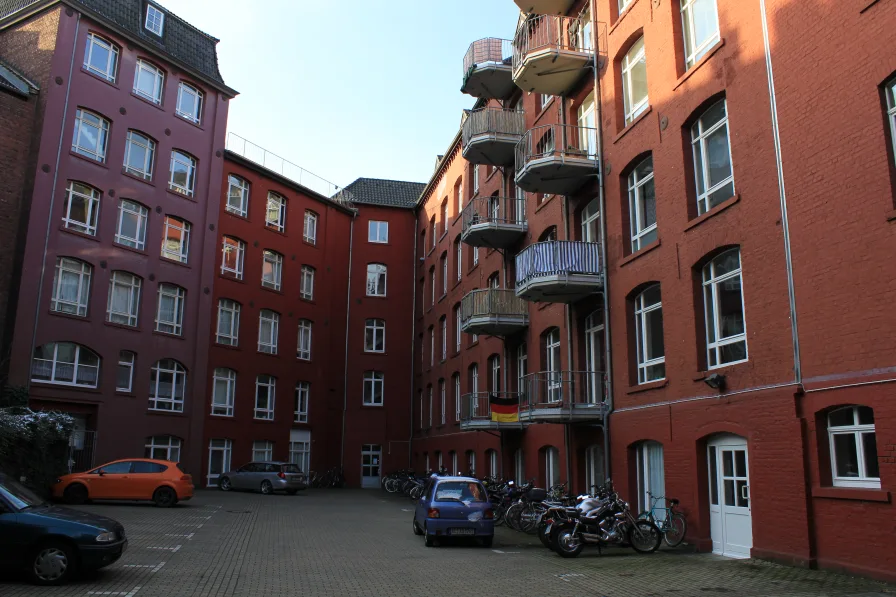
x=567, y=311
x=413, y=337
x=348, y=310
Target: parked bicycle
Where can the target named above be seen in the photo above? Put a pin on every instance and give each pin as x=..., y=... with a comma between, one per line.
x=671, y=523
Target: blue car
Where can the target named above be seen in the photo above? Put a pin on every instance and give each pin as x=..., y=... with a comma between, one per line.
x=454, y=507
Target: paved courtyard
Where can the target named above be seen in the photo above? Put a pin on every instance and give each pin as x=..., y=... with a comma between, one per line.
x=354, y=543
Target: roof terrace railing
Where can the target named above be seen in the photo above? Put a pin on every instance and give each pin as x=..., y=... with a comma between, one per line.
x=486, y=52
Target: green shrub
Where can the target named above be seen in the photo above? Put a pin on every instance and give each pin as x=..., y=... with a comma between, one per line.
x=34, y=445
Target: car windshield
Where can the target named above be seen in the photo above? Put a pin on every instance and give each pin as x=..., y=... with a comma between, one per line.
x=18, y=495
x=290, y=468
x=465, y=491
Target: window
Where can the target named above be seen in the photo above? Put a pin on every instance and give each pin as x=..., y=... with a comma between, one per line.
x=271, y=269
x=551, y=466
x=307, y=289
x=650, y=474
x=432, y=287
x=634, y=81
x=262, y=450
x=442, y=401
x=303, y=391
x=453, y=456
x=375, y=335
x=432, y=346
x=82, y=207
x=853, y=447
x=265, y=394
x=65, y=363
x=494, y=380
x=303, y=351
x=475, y=252
x=374, y=388
x=268, y=328
x=161, y=447
x=700, y=26
x=300, y=454
x=189, y=102
x=443, y=335
x=101, y=57
x=457, y=328
x=522, y=366
x=891, y=110
x=642, y=205
x=228, y=322
x=237, y=196
x=491, y=456
x=170, y=312
x=590, y=224
x=218, y=459
x=149, y=80
x=471, y=463
x=430, y=408
x=377, y=232
x=456, y=378
x=275, y=215
x=519, y=466
x=545, y=100
x=155, y=19
x=176, y=239
x=459, y=196
x=494, y=281
x=459, y=258
x=376, y=279
x=712, y=157
x=223, y=392
x=71, y=286
x=130, y=229
x=124, y=299
x=124, y=377
x=474, y=379
x=232, y=252
x=552, y=365
x=444, y=273
x=445, y=216
x=310, y=233
x=167, y=384
x=649, y=335
x=623, y=4
x=183, y=173
x=139, y=152
x=475, y=169
x=91, y=135
x=723, y=303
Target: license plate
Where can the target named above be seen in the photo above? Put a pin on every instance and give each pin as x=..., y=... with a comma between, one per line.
x=461, y=531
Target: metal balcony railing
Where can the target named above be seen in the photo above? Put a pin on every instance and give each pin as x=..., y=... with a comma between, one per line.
x=557, y=141
x=493, y=121
x=557, y=258
x=494, y=210
x=547, y=32
x=563, y=389
x=492, y=302
x=475, y=405
x=488, y=52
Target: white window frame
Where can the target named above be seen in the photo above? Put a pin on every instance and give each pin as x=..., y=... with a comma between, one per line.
x=302, y=398
x=262, y=450
x=374, y=380
x=110, y=73
x=711, y=283
x=553, y=362
x=633, y=108
x=170, y=445
x=475, y=256
x=223, y=406
x=92, y=208
x=457, y=329
x=442, y=416
x=132, y=285
x=240, y=247
x=445, y=217
x=242, y=188
x=495, y=371
x=157, y=78
x=375, y=335
x=180, y=158
x=307, y=287
x=891, y=111
x=642, y=333
x=590, y=223
x=551, y=466
x=432, y=287
x=445, y=274
x=162, y=402
x=460, y=260
x=140, y=214
x=457, y=397
x=522, y=367
x=432, y=346
x=376, y=279
x=444, y=335
x=545, y=100
x=275, y=213
x=173, y=248
x=265, y=412
x=623, y=4
x=430, y=407
x=75, y=366
x=377, y=231
x=300, y=455
x=309, y=232
x=126, y=361
x=642, y=234
x=857, y=430
x=225, y=446
x=699, y=135
x=67, y=267
x=695, y=50
x=136, y=140
x=271, y=263
x=178, y=296
x=475, y=171
x=91, y=120
x=303, y=348
x=268, y=345
x=155, y=20
x=195, y=96
x=474, y=380
x=229, y=337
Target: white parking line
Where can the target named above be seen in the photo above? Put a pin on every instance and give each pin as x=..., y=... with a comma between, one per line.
x=189, y=537
x=566, y=577
x=155, y=567
x=171, y=549
x=504, y=552
x=130, y=593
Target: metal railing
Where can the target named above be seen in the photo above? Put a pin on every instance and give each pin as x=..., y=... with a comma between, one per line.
x=492, y=302
x=475, y=405
x=287, y=169
x=561, y=141
x=494, y=210
x=487, y=52
x=493, y=121
x=549, y=32
x=563, y=389
x=557, y=257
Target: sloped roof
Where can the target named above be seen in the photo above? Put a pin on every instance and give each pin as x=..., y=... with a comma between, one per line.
x=391, y=193
x=180, y=42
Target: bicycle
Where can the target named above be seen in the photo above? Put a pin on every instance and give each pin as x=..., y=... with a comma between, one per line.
x=673, y=525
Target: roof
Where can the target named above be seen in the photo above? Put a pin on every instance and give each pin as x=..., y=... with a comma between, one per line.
x=389, y=193
x=13, y=81
x=180, y=42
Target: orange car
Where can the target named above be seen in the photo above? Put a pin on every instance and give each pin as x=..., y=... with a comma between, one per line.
x=159, y=481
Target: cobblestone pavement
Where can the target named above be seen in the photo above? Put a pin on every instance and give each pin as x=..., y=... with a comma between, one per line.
x=353, y=543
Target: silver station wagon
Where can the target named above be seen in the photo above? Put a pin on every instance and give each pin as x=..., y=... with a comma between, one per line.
x=266, y=477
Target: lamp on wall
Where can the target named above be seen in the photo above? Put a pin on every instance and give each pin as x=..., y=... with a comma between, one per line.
x=716, y=382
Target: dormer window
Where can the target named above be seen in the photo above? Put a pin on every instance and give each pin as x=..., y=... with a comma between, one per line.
x=155, y=20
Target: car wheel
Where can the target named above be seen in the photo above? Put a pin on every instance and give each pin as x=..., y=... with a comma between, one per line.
x=486, y=541
x=428, y=539
x=417, y=530
x=267, y=488
x=75, y=494
x=52, y=564
x=224, y=484
x=164, y=497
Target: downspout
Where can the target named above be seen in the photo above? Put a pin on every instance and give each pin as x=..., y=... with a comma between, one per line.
x=43, y=264
x=564, y=209
x=348, y=310
x=413, y=337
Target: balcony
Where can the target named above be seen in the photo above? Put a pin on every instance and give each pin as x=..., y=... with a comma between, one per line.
x=494, y=222
x=545, y=7
x=551, y=54
x=476, y=412
x=488, y=69
x=556, y=159
x=493, y=312
x=490, y=136
x=558, y=271
x=564, y=397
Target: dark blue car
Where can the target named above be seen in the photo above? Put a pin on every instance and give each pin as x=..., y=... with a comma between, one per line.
x=454, y=507
x=51, y=542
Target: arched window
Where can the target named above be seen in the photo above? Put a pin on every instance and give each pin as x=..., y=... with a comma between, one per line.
x=170, y=309
x=590, y=222
x=223, y=392
x=271, y=269
x=167, y=386
x=494, y=373
x=130, y=228
x=101, y=57
x=139, y=154
x=458, y=258
x=723, y=303
x=91, y=135
x=163, y=447
x=183, y=173
x=491, y=457
x=649, y=344
x=551, y=466
x=642, y=204
x=176, y=239
x=376, y=279
x=71, y=286
x=65, y=363
x=268, y=331
x=853, y=445
x=519, y=466
x=471, y=463
x=189, y=102
x=233, y=252
x=149, y=81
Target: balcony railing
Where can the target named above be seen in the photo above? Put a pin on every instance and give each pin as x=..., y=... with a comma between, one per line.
x=493, y=125
x=476, y=411
x=490, y=51
x=496, y=222
x=494, y=304
x=487, y=68
x=556, y=158
x=563, y=394
x=557, y=258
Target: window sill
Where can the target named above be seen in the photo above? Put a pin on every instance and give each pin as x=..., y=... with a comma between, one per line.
x=375, y=296
x=305, y=299
x=266, y=354
x=193, y=123
x=633, y=124
x=266, y=421
x=272, y=290
x=372, y=405
x=456, y=284
x=622, y=15
x=370, y=352
x=851, y=493
x=870, y=4
x=131, y=249
x=100, y=78
x=472, y=268
x=83, y=318
x=79, y=234
x=167, y=335
x=84, y=158
x=147, y=101
x=231, y=277
x=726, y=369
x=221, y=416
x=165, y=413
x=709, y=54
x=126, y=394
x=489, y=176
x=227, y=212
x=712, y=213
x=181, y=195
x=66, y=386
x=121, y=326
x=443, y=297
x=544, y=203
x=227, y=346
x=170, y=261
x=147, y=181
x=444, y=234
x=639, y=253
x=305, y=241
x=646, y=387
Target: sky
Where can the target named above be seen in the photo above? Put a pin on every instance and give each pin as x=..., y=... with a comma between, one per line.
x=348, y=89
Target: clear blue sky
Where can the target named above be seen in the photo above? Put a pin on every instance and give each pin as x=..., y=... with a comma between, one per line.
x=350, y=88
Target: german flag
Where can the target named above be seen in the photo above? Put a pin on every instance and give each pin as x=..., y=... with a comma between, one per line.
x=504, y=410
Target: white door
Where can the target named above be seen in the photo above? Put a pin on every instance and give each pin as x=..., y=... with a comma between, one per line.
x=371, y=455
x=594, y=357
x=731, y=523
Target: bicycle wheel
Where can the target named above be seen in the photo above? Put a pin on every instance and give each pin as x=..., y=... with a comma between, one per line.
x=675, y=529
x=512, y=516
